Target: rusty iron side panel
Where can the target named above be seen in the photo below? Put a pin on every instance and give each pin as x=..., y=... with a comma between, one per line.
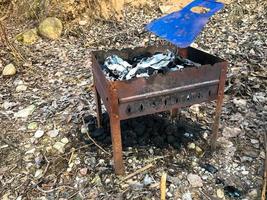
x=169, y=80
x=102, y=85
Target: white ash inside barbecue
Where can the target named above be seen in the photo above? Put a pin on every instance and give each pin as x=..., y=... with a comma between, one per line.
x=115, y=68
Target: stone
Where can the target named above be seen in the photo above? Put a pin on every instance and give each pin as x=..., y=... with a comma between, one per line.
x=191, y=146
x=83, y=22
x=38, y=133
x=38, y=174
x=147, y=180
x=97, y=180
x=28, y=37
x=24, y=113
x=245, y=172
x=253, y=194
x=254, y=141
x=84, y=129
x=31, y=151
x=21, y=88
x=50, y=28
x=52, y=133
x=220, y=193
x=229, y=132
x=83, y=171
x=199, y=151
x=59, y=146
x=241, y=103
x=7, y=105
x=187, y=196
x=32, y=126
x=9, y=70
x=65, y=140
x=194, y=180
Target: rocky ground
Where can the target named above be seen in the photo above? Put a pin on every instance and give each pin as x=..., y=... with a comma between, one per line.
x=48, y=105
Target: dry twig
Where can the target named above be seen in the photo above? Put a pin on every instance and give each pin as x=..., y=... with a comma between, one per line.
x=90, y=138
x=137, y=172
x=163, y=186
x=263, y=193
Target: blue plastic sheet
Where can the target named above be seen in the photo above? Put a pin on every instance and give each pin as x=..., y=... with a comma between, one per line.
x=181, y=28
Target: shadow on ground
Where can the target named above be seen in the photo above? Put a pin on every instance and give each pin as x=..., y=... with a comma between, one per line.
x=152, y=130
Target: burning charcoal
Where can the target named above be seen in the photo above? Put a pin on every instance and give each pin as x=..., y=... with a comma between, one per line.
x=176, y=68
x=176, y=145
x=98, y=132
x=219, y=181
x=117, y=66
x=91, y=122
x=186, y=62
x=158, y=141
x=170, y=139
x=156, y=62
x=232, y=192
x=210, y=168
x=139, y=128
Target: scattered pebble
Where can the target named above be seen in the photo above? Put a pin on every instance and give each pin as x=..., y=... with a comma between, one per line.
x=83, y=171
x=242, y=103
x=7, y=105
x=187, y=196
x=191, y=146
x=59, y=146
x=220, y=193
x=39, y=133
x=65, y=140
x=9, y=70
x=245, y=172
x=52, y=133
x=210, y=168
x=229, y=132
x=24, y=113
x=194, y=180
x=21, y=88
x=38, y=174
x=147, y=180
x=32, y=126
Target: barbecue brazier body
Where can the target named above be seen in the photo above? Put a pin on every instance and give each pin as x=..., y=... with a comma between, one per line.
x=160, y=92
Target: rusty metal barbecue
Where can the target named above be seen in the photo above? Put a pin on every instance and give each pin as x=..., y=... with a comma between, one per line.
x=160, y=92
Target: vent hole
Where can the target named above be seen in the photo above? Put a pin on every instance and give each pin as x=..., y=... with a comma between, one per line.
x=177, y=100
x=198, y=95
x=165, y=102
x=154, y=103
x=141, y=107
x=209, y=93
x=188, y=97
x=107, y=99
x=129, y=110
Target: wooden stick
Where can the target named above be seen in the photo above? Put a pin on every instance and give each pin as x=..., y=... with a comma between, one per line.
x=137, y=172
x=163, y=186
x=87, y=133
x=263, y=193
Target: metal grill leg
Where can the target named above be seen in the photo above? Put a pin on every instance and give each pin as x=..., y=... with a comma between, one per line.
x=216, y=123
x=98, y=108
x=117, y=145
x=174, y=113
x=215, y=126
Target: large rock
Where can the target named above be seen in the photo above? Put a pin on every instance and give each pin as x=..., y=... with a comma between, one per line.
x=50, y=28
x=28, y=37
x=9, y=70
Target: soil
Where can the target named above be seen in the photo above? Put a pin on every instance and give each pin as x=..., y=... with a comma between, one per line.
x=65, y=164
